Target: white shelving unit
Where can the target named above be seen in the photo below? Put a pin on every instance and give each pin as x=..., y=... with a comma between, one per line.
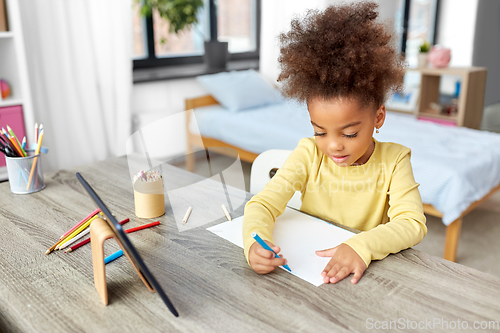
x=14, y=69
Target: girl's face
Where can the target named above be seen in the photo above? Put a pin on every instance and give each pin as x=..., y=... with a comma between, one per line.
x=344, y=129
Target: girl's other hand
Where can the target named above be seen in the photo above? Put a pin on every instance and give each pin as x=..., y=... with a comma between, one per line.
x=262, y=260
x=344, y=262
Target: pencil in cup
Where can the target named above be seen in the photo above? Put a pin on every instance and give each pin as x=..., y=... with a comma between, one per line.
x=33, y=167
x=16, y=140
x=13, y=143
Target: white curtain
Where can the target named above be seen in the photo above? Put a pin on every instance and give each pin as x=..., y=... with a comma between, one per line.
x=80, y=69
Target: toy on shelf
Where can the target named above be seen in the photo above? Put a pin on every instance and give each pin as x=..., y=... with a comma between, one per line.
x=4, y=88
x=439, y=57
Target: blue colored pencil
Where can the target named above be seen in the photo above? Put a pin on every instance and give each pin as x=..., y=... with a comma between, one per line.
x=265, y=246
x=114, y=256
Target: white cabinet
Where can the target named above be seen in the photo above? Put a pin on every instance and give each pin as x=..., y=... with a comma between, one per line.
x=14, y=70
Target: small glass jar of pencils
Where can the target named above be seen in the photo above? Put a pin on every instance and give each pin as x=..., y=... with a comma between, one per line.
x=24, y=166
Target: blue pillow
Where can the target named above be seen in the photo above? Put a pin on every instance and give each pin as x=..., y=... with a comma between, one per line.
x=240, y=90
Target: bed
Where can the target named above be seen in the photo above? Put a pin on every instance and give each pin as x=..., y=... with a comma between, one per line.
x=457, y=167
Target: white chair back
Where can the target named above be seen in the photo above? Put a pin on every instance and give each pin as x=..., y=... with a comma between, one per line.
x=264, y=167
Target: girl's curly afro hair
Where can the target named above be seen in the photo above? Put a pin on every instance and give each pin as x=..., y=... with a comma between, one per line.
x=341, y=52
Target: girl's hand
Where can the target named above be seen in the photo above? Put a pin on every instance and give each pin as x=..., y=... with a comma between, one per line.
x=262, y=260
x=344, y=262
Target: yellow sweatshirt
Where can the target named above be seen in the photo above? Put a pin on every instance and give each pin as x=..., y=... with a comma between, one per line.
x=379, y=198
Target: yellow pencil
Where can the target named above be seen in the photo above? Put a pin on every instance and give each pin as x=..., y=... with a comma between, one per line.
x=77, y=231
x=33, y=167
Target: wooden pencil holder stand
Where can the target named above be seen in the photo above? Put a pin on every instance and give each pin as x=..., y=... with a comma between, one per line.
x=99, y=232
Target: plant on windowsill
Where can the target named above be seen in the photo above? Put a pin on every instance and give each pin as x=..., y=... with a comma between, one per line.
x=182, y=14
x=423, y=54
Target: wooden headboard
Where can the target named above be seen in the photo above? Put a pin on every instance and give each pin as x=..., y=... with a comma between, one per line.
x=196, y=140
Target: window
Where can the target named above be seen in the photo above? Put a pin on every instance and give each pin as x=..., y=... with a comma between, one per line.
x=234, y=21
x=418, y=22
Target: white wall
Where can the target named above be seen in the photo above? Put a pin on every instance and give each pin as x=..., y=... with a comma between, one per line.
x=487, y=47
x=153, y=101
x=456, y=25
x=457, y=22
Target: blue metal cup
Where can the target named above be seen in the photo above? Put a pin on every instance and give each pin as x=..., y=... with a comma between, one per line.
x=19, y=169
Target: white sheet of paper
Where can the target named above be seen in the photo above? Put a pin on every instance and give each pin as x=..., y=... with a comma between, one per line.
x=299, y=236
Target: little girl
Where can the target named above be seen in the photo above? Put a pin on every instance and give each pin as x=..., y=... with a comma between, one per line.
x=343, y=64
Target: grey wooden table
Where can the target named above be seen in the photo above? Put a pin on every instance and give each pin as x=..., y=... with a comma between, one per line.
x=206, y=277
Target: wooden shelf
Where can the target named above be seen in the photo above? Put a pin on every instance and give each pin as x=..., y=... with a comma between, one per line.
x=470, y=99
x=432, y=114
x=10, y=102
x=447, y=71
x=6, y=34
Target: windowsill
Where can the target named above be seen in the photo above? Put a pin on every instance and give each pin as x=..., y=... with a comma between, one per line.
x=186, y=71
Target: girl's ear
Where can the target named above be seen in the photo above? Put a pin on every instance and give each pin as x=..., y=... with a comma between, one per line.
x=380, y=116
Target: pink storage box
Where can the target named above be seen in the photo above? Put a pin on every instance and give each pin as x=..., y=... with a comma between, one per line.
x=12, y=116
x=438, y=121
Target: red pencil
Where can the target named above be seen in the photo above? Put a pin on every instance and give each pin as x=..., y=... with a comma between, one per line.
x=74, y=247
x=152, y=224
